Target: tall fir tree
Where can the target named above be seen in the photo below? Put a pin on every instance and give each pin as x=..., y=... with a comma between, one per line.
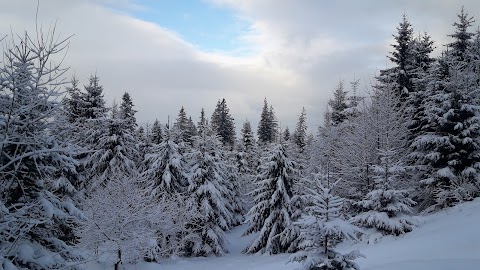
x=114, y=152
x=72, y=102
x=448, y=149
x=223, y=124
x=402, y=57
x=286, y=135
x=191, y=128
x=208, y=195
x=338, y=105
x=93, y=104
x=249, y=146
x=202, y=123
x=273, y=214
x=268, y=126
x=157, y=132
x=182, y=127
x=36, y=219
x=127, y=113
x=165, y=168
x=247, y=162
x=300, y=134
x=462, y=37
x=415, y=109
x=274, y=126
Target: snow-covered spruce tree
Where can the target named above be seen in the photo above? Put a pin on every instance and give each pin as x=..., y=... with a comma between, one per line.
x=165, y=168
x=354, y=100
x=462, y=37
x=183, y=128
x=422, y=47
x=300, y=134
x=35, y=223
x=92, y=103
x=448, y=150
x=400, y=76
x=175, y=230
x=143, y=134
x=286, y=135
x=156, y=132
x=202, y=123
x=247, y=162
x=91, y=108
x=67, y=180
x=208, y=195
x=249, y=146
x=223, y=124
x=473, y=57
x=120, y=220
x=274, y=213
x=387, y=208
x=321, y=229
x=268, y=126
x=72, y=102
x=114, y=150
x=143, y=138
x=234, y=195
x=127, y=112
x=192, y=129
x=339, y=105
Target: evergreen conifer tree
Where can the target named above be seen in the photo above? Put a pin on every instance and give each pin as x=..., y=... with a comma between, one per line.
x=166, y=168
x=321, y=229
x=115, y=152
x=72, y=103
x=182, y=127
x=402, y=57
x=222, y=123
x=157, y=132
x=300, y=135
x=462, y=38
x=268, y=126
x=93, y=104
x=415, y=109
x=202, y=123
x=448, y=150
x=286, y=134
x=208, y=196
x=387, y=208
x=338, y=105
x=274, y=213
x=127, y=112
x=36, y=220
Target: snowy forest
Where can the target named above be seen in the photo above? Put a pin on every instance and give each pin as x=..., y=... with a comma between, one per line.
x=80, y=178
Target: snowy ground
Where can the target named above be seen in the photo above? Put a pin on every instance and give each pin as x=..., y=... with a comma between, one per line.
x=447, y=240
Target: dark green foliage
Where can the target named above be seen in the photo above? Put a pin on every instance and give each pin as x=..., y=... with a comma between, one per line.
x=222, y=123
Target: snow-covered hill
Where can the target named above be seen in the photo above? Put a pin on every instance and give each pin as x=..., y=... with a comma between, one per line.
x=447, y=240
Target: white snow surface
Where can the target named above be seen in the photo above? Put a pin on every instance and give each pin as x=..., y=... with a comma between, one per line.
x=446, y=240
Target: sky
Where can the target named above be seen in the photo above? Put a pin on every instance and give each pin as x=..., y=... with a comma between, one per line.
x=168, y=53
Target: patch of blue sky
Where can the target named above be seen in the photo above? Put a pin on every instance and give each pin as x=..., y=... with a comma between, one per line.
x=206, y=26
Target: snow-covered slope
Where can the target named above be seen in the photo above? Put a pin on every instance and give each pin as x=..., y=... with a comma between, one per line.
x=447, y=240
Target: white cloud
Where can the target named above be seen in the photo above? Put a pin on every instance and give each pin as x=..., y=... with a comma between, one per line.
x=298, y=50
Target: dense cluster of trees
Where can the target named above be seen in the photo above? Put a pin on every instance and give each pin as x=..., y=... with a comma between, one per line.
x=76, y=173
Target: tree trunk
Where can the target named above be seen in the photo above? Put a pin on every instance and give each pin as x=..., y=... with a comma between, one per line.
x=117, y=264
